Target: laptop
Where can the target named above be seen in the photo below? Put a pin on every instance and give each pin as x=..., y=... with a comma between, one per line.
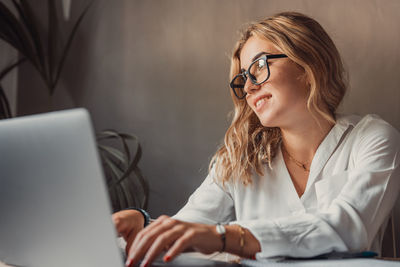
x=54, y=206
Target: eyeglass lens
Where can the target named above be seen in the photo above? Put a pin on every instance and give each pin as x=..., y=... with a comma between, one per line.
x=258, y=73
x=238, y=85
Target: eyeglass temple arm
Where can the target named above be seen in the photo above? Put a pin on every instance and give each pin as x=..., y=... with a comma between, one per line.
x=276, y=56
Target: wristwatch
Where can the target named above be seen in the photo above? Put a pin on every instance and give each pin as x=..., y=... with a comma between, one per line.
x=221, y=231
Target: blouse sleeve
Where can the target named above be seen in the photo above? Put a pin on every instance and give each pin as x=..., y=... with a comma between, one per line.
x=352, y=220
x=210, y=204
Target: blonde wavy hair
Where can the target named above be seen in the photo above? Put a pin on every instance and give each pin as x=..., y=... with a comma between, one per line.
x=248, y=145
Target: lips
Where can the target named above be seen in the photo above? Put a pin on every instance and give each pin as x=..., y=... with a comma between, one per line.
x=261, y=100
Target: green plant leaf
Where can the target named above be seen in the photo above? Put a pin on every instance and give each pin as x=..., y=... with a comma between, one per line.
x=5, y=111
x=111, y=134
x=145, y=187
x=113, y=166
x=115, y=153
x=6, y=70
x=131, y=137
x=68, y=45
x=7, y=32
x=13, y=32
x=117, y=193
x=129, y=180
x=30, y=22
x=138, y=155
x=108, y=165
x=114, y=172
x=6, y=37
x=130, y=200
x=121, y=198
x=52, y=38
x=132, y=166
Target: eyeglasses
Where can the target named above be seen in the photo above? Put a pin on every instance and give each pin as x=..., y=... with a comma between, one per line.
x=258, y=72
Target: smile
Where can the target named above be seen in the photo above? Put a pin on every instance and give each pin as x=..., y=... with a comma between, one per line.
x=260, y=101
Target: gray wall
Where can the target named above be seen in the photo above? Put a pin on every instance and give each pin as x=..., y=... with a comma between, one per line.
x=159, y=69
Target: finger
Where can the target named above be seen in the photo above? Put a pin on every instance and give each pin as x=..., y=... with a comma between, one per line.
x=160, y=220
x=129, y=240
x=145, y=238
x=180, y=245
x=138, y=250
x=163, y=242
x=149, y=229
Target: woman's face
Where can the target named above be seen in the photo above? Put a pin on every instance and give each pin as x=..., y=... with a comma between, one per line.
x=281, y=101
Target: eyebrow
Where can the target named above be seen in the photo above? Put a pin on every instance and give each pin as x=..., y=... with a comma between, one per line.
x=258, y=55
x=255, y=57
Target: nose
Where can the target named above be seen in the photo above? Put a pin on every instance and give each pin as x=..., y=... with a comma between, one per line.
x=250, y=88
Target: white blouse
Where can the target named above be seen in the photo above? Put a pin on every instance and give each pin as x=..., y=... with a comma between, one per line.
x=352, y=187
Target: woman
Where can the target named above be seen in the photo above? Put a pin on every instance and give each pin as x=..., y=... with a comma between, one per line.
x=292, y=178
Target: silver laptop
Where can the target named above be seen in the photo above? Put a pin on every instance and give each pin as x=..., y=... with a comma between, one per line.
x=54, y=207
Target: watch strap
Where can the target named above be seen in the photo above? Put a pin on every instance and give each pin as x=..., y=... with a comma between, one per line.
x=222, y=232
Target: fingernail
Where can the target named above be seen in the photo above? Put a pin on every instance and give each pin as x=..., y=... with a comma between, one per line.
x=167, y=258
x=145, y=263
x=128, y=261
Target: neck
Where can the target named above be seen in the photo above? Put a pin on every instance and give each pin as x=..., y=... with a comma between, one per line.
x=302, y=140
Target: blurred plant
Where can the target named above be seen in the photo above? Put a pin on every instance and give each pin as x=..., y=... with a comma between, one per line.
x=126, y=184
x=20, y=29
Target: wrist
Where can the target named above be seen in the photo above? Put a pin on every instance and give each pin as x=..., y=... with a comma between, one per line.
x=221, y=231
x=145, y=215
x=240, y=241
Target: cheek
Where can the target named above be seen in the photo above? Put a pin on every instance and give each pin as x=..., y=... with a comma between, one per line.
x=290, y=90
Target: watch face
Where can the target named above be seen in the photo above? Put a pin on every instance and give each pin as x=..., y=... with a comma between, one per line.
x=220, y=229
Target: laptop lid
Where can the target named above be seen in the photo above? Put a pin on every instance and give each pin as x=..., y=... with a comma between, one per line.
x=54, y=208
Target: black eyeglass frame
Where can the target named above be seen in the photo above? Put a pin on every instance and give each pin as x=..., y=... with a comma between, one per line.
x=247, y=73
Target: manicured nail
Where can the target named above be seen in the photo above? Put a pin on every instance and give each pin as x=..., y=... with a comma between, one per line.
x=167, y=258
x=145, y=263
x=128, y=262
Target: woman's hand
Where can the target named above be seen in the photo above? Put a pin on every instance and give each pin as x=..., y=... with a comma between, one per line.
x=173, y=236
x=128, y=224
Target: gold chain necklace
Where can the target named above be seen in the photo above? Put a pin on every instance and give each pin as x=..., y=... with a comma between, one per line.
x=295, y=161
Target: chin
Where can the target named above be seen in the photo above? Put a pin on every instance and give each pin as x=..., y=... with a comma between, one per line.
x=267, y=123
x=267, y=120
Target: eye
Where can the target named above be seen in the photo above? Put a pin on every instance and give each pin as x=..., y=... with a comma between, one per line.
x=261, y=63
